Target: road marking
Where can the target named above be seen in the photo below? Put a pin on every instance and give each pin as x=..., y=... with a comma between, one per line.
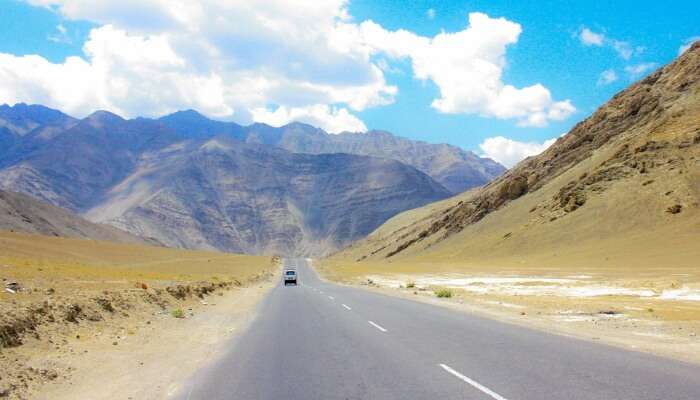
x=377, y=326
x=331, y=297
x=346, y=307
x=473, y=383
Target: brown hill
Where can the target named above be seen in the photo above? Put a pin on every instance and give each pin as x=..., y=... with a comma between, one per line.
x=21, y=213
x=622, y=184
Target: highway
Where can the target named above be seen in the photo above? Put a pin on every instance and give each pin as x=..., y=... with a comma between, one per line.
x=324, y=341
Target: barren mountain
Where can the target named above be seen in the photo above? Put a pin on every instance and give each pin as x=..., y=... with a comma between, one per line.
x=624, y=183
x=192, y=190
x=223, y=194
x=21, y=213
x=454, y=168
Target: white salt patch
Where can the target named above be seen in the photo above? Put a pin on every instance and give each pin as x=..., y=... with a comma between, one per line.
x=515, y=285
x=681, y=294
x=502, y=304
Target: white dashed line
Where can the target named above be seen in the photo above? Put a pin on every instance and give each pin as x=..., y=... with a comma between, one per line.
x=473, y=383
x=377, y=326
x=331, y=297
x=346, y=307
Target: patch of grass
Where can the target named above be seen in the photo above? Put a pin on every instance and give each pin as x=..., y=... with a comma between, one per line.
x=443, y=293
x=177, y=313
x=410, y=285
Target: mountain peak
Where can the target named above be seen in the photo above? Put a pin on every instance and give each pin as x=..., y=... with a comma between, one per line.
x=102, y=117
x=185, y=115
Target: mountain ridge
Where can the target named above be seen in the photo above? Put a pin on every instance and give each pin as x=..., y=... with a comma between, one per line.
x=632, y=166
x=156, y=181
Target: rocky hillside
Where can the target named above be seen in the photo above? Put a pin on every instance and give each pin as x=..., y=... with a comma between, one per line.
x=454, y=168
x=197, y=191
x=222, y=194
x=630, y=170
x=21, y=213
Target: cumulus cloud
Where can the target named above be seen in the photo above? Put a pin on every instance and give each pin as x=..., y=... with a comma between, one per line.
x=687, y=43
x=590, y=38
x=271, y=59
x=224, y=58
x=330, y=119
x=510, y=152
x=467, y=67
x=607, y=77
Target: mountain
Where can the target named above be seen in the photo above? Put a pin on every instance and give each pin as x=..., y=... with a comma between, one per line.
x=22, y=120
x=456, y=169
x=73, y=169
x=21, y=213
x=623, y=184
x=192, y=190
x=191, y=124
x=223, y=194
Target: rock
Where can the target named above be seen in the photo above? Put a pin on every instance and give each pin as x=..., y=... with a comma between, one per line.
x=674, y=209
x=13, y=286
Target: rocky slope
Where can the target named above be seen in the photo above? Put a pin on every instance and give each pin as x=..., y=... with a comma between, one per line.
x=629, y=174
x=21, y=213
x=186, y=188
x=454, y=168
x=222, y=194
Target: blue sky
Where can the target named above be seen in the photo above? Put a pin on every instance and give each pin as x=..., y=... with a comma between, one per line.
x=147, y=60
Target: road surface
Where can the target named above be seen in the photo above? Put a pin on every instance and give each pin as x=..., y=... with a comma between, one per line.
x=323, y=341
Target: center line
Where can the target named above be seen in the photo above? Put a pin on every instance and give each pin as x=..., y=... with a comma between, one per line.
x=473, y=383
x=377, y=326
x=346, y=307
x=331, y=297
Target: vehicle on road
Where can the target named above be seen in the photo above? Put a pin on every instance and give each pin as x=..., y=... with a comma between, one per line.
x=290, y=276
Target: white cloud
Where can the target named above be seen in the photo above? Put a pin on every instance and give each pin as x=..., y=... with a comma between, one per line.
x=224, y=58
x=607, y=77
x=636, y=71
x=624, y=49
x=510, y=152
x=687, y=43
x=590, y=38
x=60, y=36
x=467, y=67
x=430, y=13
x=234, y=58
x=330, y=119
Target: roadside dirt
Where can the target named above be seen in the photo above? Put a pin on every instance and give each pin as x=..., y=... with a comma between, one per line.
x=98, y=320
x=641, y=316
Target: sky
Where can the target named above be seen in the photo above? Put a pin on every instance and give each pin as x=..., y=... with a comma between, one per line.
x=501, y=78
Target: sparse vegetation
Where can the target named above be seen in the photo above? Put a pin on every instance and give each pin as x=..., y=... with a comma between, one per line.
x=443, y=293
x=177, y=313
x=410, y=285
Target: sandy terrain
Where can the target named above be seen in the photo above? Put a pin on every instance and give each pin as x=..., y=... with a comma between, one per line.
x=658, y=311
x=99, y=320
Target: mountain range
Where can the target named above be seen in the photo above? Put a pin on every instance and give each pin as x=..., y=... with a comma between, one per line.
x=622, y=186
x=188, y=181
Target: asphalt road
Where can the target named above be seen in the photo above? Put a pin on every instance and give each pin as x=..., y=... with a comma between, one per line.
x=323, y=341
